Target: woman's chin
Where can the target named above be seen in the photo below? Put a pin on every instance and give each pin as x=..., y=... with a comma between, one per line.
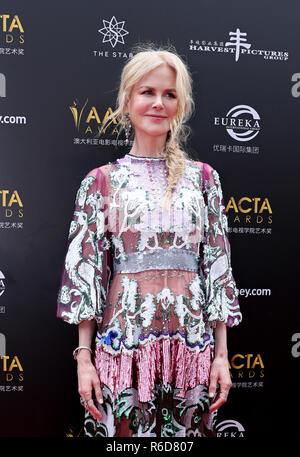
x=154, y=132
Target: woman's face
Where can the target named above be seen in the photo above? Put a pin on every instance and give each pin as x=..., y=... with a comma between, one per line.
x=153, y=102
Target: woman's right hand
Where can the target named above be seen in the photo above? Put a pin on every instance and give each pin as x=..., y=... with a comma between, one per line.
x=87, y=381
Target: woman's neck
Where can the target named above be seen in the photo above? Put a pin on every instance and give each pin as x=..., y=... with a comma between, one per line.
x=149, y=146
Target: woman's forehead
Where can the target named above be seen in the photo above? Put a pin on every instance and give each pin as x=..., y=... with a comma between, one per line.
x=162, y=75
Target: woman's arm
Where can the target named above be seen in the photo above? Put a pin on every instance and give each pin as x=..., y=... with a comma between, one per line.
x=85, y=335
x=87, y=375
x=219, y=370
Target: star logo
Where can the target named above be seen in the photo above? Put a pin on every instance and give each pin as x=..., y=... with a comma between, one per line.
x=113, y=31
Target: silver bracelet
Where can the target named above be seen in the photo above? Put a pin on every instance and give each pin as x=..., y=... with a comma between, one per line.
x=75, y=352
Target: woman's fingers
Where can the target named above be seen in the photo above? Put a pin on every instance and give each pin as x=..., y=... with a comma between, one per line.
x=93, y=410
x=89, y=404
x=220, y=382
x=222, y=395
x=86, y=396
x=219, y=401
x=212, y=385
x=98, y=394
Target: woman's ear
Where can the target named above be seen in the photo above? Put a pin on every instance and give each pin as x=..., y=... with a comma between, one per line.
x=126, y=105
x=127, y=101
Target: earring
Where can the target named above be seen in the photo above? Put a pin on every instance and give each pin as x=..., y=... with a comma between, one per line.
x=127, y=128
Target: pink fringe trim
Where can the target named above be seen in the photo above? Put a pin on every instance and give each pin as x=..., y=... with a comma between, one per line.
x=166, y=360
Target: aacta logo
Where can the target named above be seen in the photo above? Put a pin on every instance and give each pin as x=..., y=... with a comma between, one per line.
x=250, y=209
x=247, y=366
x=11, y=203
x=9, y=26
x=92, y=121
x=11, y=368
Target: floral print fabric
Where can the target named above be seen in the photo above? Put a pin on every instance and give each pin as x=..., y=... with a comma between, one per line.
x=156, y=282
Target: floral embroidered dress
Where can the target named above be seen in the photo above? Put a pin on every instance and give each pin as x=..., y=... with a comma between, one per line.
x=156, y=282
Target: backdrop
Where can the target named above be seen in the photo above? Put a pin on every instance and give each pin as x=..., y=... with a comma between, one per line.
x=60, y=64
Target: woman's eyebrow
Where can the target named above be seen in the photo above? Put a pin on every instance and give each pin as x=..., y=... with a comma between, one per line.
x=149, y=87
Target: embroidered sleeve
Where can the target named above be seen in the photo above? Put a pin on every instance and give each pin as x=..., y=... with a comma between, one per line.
x=221, y=302
x=87, y=265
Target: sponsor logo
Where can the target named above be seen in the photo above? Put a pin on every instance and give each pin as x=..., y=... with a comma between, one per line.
x=230, y=429
x=237, y=46
x=296, y=87
x=113, y=32
x=242, y=122
x=296, y=347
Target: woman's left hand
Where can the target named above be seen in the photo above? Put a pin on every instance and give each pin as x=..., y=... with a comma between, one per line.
x=219, y=374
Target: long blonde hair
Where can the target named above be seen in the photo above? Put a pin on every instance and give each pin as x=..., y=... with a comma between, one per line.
x=145, y=59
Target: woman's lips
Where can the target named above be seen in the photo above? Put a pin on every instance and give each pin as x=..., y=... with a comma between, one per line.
x=156, y=116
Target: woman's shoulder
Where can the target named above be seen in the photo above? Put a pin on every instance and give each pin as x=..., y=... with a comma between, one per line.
x=203, y=166
x=100, y=172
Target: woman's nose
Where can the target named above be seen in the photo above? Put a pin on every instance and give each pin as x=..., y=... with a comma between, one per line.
x=158, y=103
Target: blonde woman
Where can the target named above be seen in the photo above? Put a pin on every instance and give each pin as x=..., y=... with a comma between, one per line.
x=147, y=275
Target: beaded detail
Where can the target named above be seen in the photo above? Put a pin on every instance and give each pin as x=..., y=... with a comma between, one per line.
x=163, y=259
